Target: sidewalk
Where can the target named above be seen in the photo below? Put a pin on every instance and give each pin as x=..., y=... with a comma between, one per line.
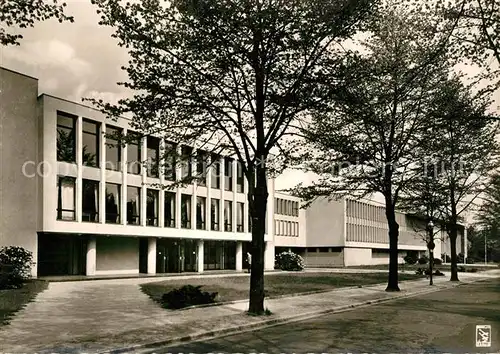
x=135, y=322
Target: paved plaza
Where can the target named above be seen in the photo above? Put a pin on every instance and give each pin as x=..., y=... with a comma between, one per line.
x=102, y=315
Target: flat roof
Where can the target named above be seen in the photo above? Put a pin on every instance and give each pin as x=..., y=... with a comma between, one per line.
x=18, y=73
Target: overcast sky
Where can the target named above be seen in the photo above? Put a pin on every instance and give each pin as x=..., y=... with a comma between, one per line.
x=80, y=59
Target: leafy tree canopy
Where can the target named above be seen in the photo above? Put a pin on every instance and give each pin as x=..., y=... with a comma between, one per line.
x=24, y=13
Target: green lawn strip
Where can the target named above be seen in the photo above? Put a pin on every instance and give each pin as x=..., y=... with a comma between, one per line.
x=13, y=300
x=413, y=267
x=237, y=288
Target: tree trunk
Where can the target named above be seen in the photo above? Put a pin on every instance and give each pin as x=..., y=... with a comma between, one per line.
x=453, y=242
x=393, y=246
x=258, y=214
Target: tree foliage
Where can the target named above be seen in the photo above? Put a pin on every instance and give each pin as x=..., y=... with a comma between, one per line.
x=368, y=140
x=488, y=223
x=461, y=150
x=477, y=33
x=24, y=14
x=230, y=77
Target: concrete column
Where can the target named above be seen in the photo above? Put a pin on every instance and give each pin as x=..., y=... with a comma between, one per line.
x=144, y=174
x=246, y=227
x=239, y=256
x=222, y=226
x=151, y=255
x=222, y=175
x=270, y=210
x=208, y=215
x=161, y=199
x=269, y=256
x=235, y=203
x=178, y=191
x=465, y=243
x=194, y=196
x=79, y=166
x=91, y=256
x=178, y=208
x=200, y=254
x=102, y=164
x=123, y=191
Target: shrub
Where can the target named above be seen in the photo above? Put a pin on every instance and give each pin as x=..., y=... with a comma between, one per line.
x=461, y=269
x=423, y=260
x=469, y=260
x=289, y=261
x=438, y=261
x=15, y=266
x=446, y=258
x=409, y=259
x=438, y=273
x=188, y=295
x=471, y=270
x=460, y=258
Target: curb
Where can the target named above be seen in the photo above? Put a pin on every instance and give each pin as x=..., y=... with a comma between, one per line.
x=232, y=302
x=278, y=321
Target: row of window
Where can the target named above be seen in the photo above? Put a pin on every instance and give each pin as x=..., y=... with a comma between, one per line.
x=66, y=206
x=323, y=249
x=286, y=228
x=370, y=212
x=91, y=134
x=286, y=207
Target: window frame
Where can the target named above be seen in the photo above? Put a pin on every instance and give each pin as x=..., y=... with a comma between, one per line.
x=156, y=206
x=97, y=135
x=60, y=202
x=153, y=168
x=172, y=199
x=134, y=216
x=118, y=214
x=96, y=185
x=73, y=135
x=228, y=174
x=228, y=207
x=137, y=142
x=117, y=145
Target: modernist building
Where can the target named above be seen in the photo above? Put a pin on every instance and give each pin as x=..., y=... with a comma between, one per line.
x=84, y=204
x=350, y=232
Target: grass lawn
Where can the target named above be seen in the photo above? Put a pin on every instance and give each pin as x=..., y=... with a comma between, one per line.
x=237, y=288
x=13, y=300
x=443, y=267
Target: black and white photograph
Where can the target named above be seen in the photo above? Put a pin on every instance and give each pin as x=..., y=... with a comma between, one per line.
x=249, y=176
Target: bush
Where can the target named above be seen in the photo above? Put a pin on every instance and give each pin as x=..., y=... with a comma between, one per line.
x=423, y=260
x=188, y=295
x=409, y=259
x=15, y=267
x=469, y=260
x=461, y=269
x=471, y=270
x=438, y=261
x=289, y=261
x=460, y=258
x=446, y=258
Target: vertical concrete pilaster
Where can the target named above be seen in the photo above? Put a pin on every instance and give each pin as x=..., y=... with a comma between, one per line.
x=239, y=256
x=152, y=255
x=200, y=254
x=91, y=256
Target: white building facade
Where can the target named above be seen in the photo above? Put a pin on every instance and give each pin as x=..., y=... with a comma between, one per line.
x=95, y=209
x=349, y=232
x=85, y=204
